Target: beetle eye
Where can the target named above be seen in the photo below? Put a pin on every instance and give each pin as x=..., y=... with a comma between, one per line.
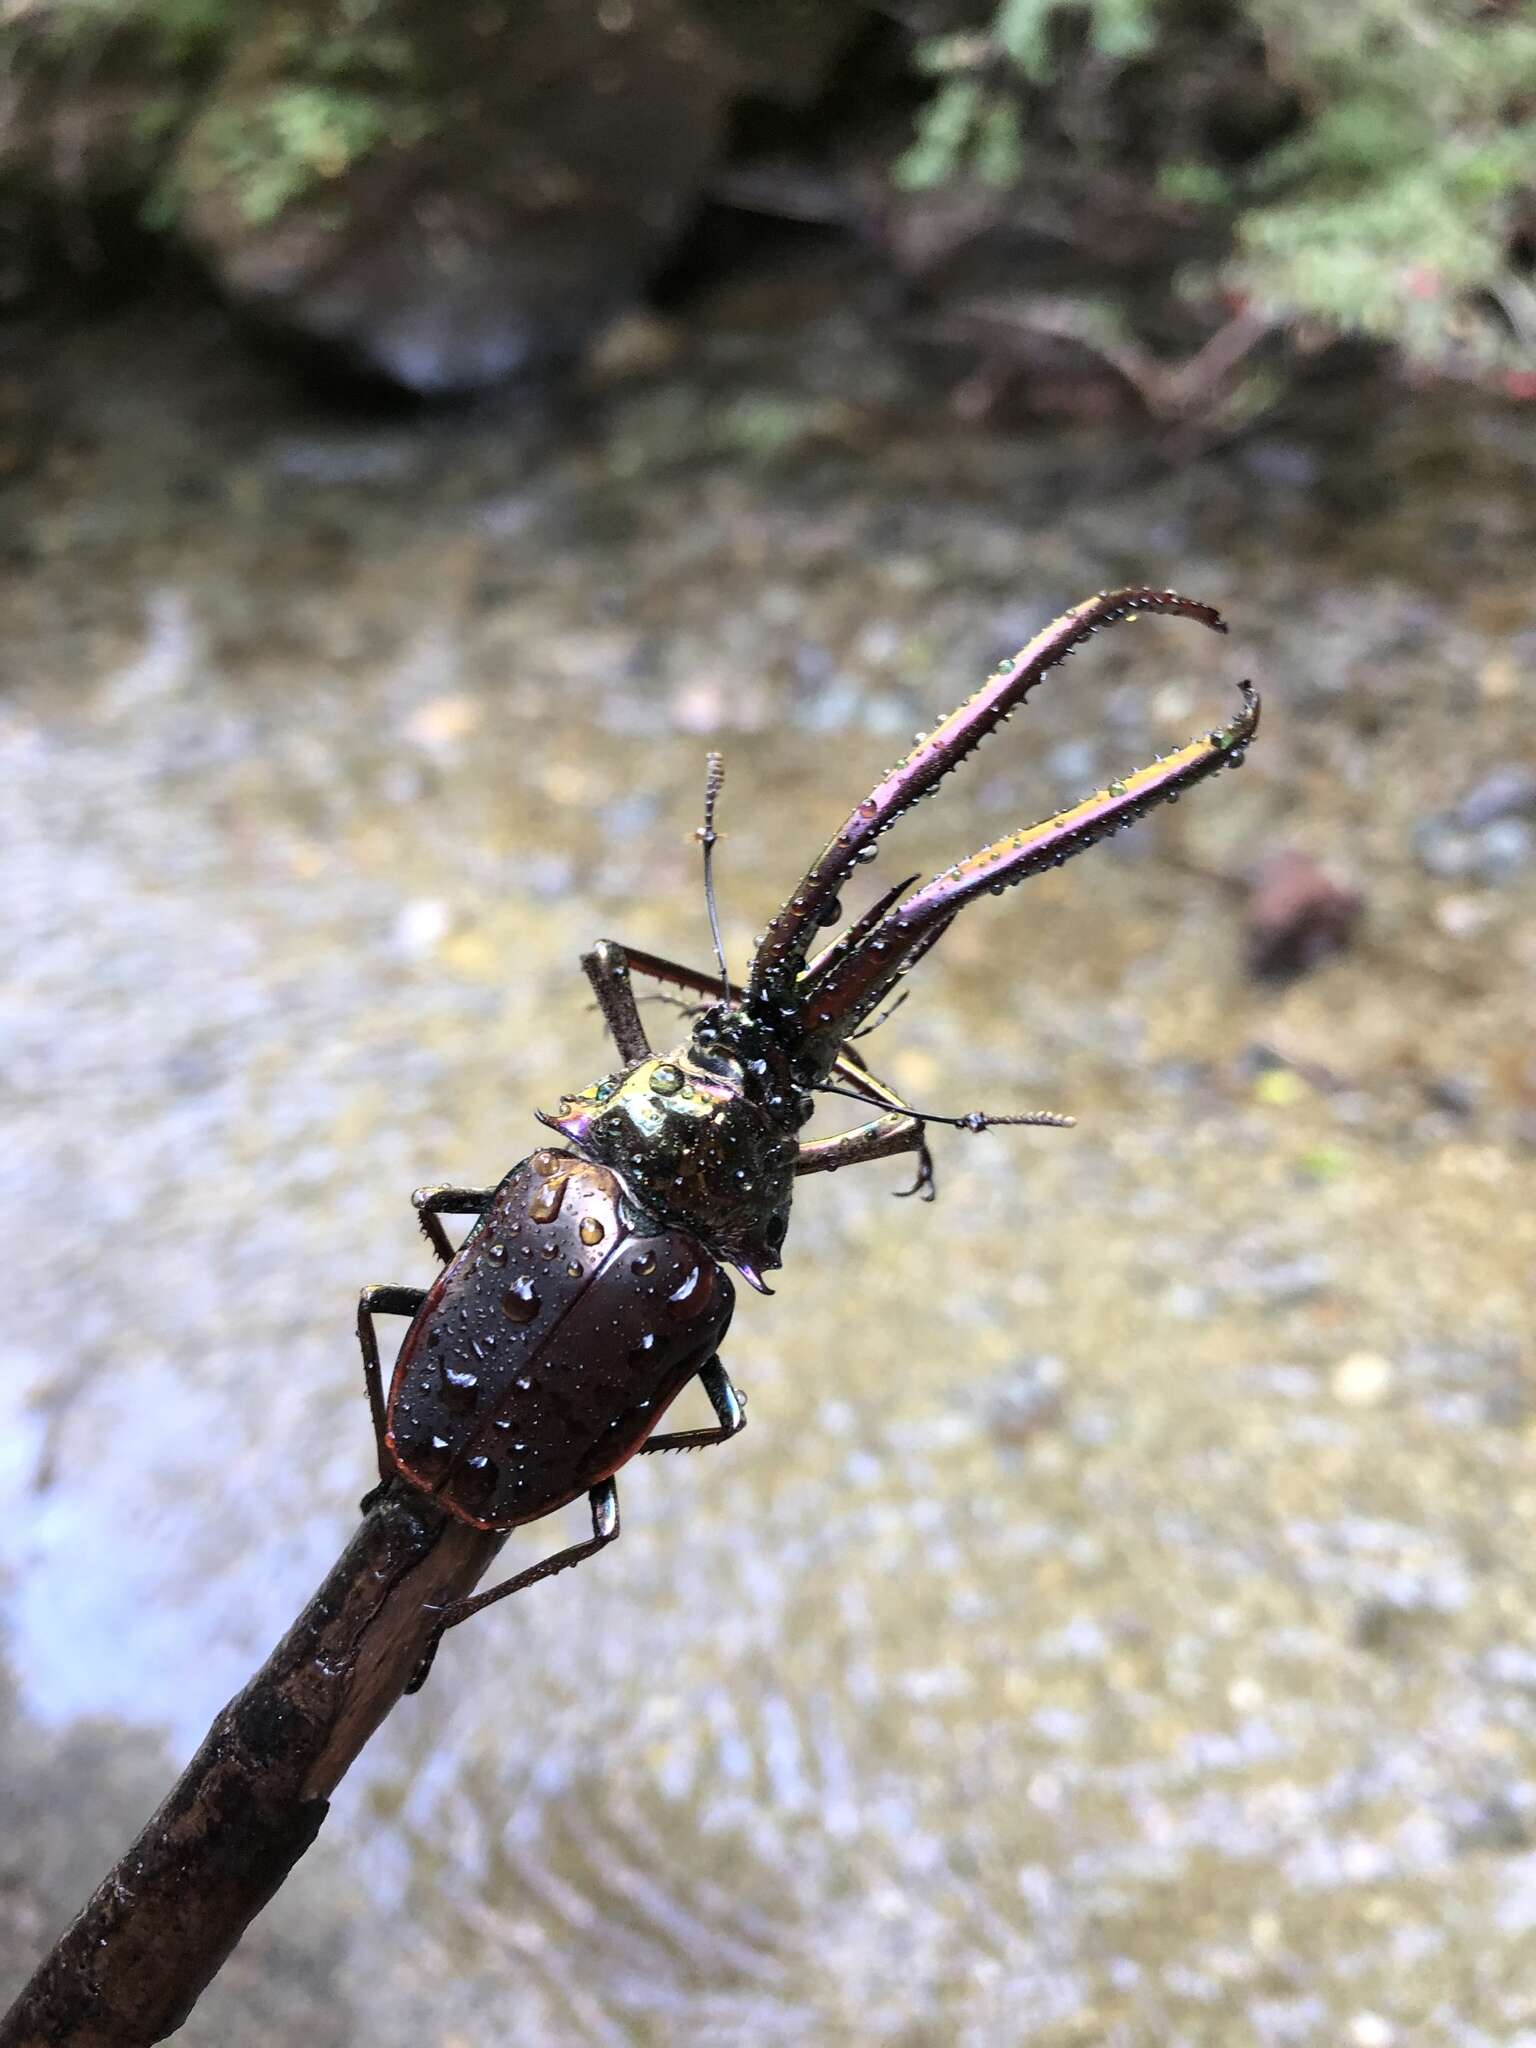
x=714, y=1059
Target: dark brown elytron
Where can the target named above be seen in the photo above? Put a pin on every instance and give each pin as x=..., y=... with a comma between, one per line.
x=591, y=1287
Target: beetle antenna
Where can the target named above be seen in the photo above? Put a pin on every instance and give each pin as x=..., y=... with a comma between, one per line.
x=975, y=1120
x=706, y=836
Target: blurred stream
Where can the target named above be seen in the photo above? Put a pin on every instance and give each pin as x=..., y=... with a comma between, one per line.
x=1115, y=1626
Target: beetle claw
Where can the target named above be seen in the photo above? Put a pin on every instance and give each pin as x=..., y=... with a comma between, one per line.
x=926, y=1185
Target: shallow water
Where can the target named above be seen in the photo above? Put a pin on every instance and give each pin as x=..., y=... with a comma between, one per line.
x=1115, y=1625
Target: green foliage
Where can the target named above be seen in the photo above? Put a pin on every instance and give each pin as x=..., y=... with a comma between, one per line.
x=1118, y=29
x=1389, y=210
x=332, y=86
x=296, y=137
x=973, y=123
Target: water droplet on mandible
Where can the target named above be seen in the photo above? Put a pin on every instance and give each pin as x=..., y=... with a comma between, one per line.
x=521, y=1301
x=591, y=1231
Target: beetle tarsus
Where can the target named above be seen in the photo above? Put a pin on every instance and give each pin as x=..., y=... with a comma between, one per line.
x=926, y=1185
x=604, y=1500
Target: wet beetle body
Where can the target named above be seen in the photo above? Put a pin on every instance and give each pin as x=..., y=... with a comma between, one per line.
x=591, y=1286
x=550, y=1346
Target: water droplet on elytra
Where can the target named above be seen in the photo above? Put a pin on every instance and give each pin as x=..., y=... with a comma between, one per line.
x=591, y=1231
x=544, y=1203
x=521, y=1302
x=644, y=1266
x=687, y=1297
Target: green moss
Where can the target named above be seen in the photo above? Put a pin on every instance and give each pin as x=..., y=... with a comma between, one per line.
x=1390, y=211
x=293, y=140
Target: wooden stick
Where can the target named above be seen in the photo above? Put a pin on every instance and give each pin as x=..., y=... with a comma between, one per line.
x=157, y=1930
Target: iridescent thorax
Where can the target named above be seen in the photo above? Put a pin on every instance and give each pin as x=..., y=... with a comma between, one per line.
x=694, y=1140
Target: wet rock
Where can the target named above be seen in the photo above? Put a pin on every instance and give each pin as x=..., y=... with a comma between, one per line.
x=782, y=49
x=1508, y=791
x=462, y=195
x=1489, y=835
x=1298, y=916
x=443, y=197
x=1028, y=1401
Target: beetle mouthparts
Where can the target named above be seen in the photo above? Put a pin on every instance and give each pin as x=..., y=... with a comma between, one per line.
x=574, y=1124
x=749, y=1272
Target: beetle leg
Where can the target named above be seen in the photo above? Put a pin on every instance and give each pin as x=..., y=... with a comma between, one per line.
x=882, y=1138
x=381, y=1301
x=607, y=968
x=729, y=1404
x=604, y=1500
x=850, y=1067
x=433, y=1202
x=655, y=968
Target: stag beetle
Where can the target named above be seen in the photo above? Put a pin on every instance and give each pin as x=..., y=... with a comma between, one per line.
x=591, y=1287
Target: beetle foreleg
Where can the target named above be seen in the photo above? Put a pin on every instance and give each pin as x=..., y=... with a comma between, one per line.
x=851, y=1067
x=674, y=974
x=729, y=1404
x=607, y=968
x=433, y=1202
x=882, y=1138
x=381, y=1301
x=604, y=1499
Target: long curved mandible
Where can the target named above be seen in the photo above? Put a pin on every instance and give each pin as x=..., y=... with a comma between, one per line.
x=781, y=955
x=838, y=1001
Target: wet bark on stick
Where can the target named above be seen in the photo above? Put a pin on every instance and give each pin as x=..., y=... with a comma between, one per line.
x=132, y=1965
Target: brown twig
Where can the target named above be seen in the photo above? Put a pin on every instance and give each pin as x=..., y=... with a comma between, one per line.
x=159, y=1927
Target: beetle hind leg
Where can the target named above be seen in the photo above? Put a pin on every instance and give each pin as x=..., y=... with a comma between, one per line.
x=604, y=1500
x=380, y=1301
x=729, y=1404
